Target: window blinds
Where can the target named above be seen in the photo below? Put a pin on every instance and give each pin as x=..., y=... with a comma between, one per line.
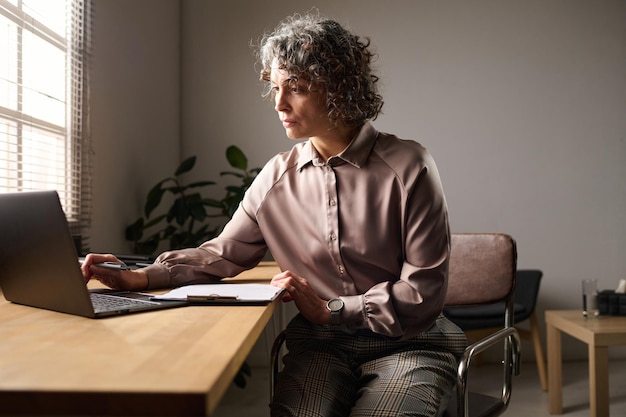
x=44, y=129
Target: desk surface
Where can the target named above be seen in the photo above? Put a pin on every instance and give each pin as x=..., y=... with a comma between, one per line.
x=599, y=331
x=170, y=362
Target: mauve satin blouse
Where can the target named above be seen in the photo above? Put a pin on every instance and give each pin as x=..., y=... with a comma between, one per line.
x=369, y=225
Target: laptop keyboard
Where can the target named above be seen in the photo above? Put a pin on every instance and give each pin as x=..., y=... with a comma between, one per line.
x=105, y=302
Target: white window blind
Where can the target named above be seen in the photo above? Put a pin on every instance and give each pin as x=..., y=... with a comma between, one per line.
x=44, y=133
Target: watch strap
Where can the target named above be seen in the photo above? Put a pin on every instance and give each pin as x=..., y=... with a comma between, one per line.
x=335, y=306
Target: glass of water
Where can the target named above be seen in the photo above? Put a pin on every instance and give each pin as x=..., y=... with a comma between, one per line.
x=590, y=298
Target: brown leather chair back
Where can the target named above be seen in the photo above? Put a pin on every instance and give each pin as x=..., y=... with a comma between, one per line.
x=482, y=268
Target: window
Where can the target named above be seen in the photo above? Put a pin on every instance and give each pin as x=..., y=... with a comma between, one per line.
x=44, y=143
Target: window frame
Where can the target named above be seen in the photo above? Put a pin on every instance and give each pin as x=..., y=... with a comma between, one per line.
x=72, y=135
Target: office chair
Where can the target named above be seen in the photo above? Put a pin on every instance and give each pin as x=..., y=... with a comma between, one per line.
x=482, y=271
x=477, y=321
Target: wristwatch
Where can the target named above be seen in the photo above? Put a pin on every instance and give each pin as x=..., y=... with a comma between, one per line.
x=335, y=306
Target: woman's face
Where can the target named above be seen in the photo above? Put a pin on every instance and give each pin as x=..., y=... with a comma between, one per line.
x=302, y=112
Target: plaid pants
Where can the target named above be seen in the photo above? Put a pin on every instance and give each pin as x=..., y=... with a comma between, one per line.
x=332, y=372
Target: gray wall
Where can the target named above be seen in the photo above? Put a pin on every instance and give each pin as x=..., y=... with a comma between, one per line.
x=522, y=104
x=135, y=110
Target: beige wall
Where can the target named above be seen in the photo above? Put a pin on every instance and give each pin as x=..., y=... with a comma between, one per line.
x=522, y=104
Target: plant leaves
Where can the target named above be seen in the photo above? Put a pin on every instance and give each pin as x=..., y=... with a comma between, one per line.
x=234, y=174
x=154, y=198
x=200, y=184
x=176, y=189
x=178, y=211
x=184, y=224
x=195, y=207
x=186, y=165
x=150, y=245
x=154, y=221
x=135, y=230
x=236, y=158
x=232, y=202
x=169, y=231
x=234, y=189
x=211, y=202
x=240, y=378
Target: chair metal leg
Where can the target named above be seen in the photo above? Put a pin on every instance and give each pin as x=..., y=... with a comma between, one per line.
x=532, y=334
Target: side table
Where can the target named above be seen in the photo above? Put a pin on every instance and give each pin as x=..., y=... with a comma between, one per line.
x=598, y=333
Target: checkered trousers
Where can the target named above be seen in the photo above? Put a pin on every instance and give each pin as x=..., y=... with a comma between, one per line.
x=332, y=372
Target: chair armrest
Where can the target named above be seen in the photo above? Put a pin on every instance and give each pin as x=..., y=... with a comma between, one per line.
x=510, y=363
x=487, y=342
x=275, y=360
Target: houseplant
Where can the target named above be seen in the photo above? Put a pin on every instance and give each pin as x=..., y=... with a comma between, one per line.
x=185, y=223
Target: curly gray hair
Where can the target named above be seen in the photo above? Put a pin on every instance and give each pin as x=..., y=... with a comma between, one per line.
x=327, y=56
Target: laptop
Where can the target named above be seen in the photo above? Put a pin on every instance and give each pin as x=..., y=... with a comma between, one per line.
x=39, y=266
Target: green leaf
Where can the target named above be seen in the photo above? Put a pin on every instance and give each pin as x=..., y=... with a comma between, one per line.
x=236, y=158
x=176, y=189
x=245, y=368
x=134, y=232
x=196, y=208
x=186, y=165
x=176, y=241
x=240, y=378
x=201, y=231
x=154, y=221
x=234, y=174
x=211, y=202
x=232, y=203
x=178, y=211
x=234, y=189
x=169, y=231
x=200, y=184
x=154, y=198
x=149, y=246
x=203, y=234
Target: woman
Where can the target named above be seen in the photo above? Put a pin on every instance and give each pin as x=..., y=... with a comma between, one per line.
x=357, y=221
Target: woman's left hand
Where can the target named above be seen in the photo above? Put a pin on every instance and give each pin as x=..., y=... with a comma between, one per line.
x=310, y=305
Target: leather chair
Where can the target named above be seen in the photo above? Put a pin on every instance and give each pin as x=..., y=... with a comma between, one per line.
x=482, y=271
x=478, y=321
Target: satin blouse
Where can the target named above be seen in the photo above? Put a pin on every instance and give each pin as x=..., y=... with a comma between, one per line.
x=369, y=225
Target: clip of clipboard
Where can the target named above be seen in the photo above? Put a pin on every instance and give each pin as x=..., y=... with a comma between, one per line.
x=211, y=297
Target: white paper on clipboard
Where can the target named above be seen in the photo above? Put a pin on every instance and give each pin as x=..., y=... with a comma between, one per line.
x=234, y=293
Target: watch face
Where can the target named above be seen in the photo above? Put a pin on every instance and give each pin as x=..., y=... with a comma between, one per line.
x=335, y=304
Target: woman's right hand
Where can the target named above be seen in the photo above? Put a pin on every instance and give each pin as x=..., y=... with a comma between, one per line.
x=117, y=279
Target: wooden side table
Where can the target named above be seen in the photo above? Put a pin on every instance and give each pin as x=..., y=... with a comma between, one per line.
x=598, y=333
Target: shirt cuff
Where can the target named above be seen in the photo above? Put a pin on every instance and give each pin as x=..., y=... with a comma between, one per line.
x=158, y=276
x=354, y=315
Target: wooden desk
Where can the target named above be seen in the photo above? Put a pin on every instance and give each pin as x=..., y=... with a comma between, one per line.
x=171, y=362
x=598, y=334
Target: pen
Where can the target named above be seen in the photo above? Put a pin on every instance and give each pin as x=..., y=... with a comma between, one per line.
x=113, y=265
x=211, y=297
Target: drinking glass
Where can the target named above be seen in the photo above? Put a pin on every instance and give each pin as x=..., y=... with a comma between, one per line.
x=590, y=298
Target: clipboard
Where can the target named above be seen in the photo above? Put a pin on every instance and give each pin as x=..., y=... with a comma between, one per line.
x=223, y=294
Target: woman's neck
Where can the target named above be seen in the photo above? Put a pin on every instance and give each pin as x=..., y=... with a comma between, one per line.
x=335, y=141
